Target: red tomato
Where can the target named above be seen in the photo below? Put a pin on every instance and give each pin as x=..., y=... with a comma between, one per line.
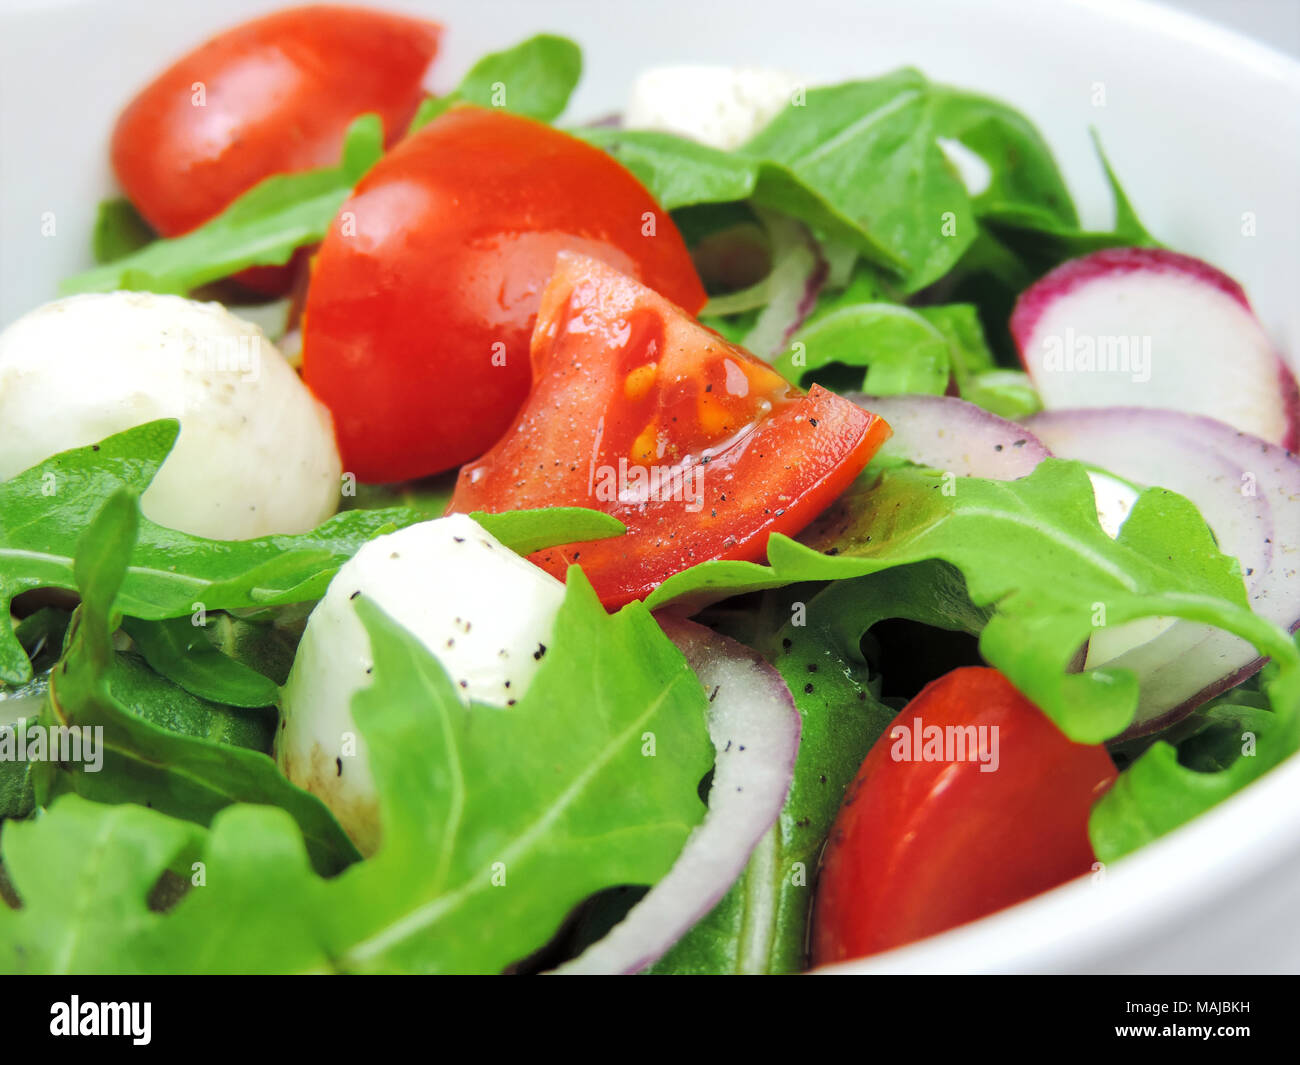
x=700, y=449
x=425, y=291
x=271, y=96
x=921, y=846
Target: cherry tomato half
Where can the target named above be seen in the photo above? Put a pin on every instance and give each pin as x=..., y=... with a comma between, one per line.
x=971, y=801
x=699, y=448
x=426, y=289
x=270, y=96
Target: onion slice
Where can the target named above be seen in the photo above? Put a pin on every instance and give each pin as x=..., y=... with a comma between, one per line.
x=755, y=730
x=798, y=274
x=1248, y=491
x=946, y=433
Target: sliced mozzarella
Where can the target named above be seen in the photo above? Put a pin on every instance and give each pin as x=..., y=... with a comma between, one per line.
x=256, y=452
x=719, y=106
x=484, y=612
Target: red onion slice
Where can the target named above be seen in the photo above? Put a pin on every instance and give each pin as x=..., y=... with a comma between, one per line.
x=798, y=273
x=949, y=434
x=755, y=730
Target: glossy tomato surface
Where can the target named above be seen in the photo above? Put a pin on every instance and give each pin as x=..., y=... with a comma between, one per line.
x=426, y=289
x=699, y=448
x=941, y=827
x=270, y=96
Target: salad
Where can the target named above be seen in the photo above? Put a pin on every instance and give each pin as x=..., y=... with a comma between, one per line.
x=755, y=530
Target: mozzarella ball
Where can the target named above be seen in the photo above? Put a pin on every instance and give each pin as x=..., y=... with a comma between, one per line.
x=719, y=106
x=256, y=452
x=484, y=612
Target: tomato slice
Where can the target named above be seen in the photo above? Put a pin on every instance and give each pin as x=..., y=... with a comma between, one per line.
x=425, y=292
x=273, y=95
x=930, y=837
x=699, y=448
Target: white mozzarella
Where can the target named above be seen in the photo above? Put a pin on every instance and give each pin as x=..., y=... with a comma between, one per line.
x=256, y=452
x=719, y=106
x=484, y=612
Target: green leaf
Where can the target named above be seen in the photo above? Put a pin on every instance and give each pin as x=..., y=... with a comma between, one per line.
x=45, y=510
x=427, y=497
x=263, y=227
x=760, y=926
x=870, y=148
x=1127, y=224
x=181, y=652
x=526, y=531
x=119, y=231
x=1023, y=174
x=1043, y=242
x=681, y=173
x=961, y=327
x=466, y=847
x=902, y=352
x=1235, y=746
x=1009, y=394
x=86, y=867
x=534, y=78
x=151, y=696
x=1033, y=550
x=145, y=763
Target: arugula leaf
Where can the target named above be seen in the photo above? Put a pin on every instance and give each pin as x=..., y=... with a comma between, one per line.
x=264, y=639
x=17, y=792
x=681, y=173
x=1127, y=224
x=44, y=510
x=428, y=496
x=151, y=696
x=179, y=650
x=526, y=531
x=902, y=352
x=760, y=925
x=263, y=227
x=1237, y=745
x=119, y=231
x=1009, y=394
x=465, y=846
x=1043, y=243
x=960, y=325
x=1033, y=550
x=143, y=762
x=1023, y=174
x=93, y=869
x=871, y=149
x=534, y=78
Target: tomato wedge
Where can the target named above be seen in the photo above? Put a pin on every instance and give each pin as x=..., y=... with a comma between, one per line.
x=971, y=801
x=699, y=448
x=425, y=293
x=273, y=95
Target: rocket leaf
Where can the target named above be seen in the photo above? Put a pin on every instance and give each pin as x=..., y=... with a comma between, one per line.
x=470, y=842
x=45, y=510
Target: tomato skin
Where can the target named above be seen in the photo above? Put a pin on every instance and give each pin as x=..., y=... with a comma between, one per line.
x=278, y=95
x=418, y=324
x=618, y=368
x=920, y=847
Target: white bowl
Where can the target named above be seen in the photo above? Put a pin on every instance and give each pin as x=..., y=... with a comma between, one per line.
x=1203, y=127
